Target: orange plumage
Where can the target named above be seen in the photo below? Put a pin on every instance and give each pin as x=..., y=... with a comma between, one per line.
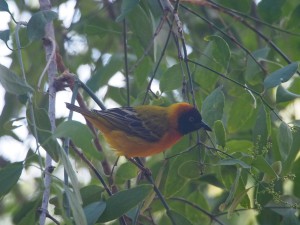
x=144, y=130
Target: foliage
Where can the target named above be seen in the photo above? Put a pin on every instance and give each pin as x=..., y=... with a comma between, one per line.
x=236, y=60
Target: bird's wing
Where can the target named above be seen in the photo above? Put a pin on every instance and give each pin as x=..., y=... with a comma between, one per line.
x=128, y=120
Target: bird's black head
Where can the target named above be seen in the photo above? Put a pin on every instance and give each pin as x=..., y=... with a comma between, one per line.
x=190, y=121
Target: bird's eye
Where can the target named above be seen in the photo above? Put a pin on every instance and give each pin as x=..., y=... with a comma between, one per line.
x=191, y=119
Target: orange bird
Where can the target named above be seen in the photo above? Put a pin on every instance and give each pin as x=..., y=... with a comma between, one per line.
x=144, y=130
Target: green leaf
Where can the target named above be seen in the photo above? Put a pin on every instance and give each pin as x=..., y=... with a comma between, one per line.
x=12, y=83
x=236, y=201
x=280, y=76
x=171, y=79
x=121, y=202
x=4, y=6
x=80, y=135
x=261, y=128
x=180, y=219
x=37, y=23
x=104, y=73
x=4, y=35
x=125, y=172
x=220, y=50
x=141, y=27
x=233, y=146
x=212, y=107
x=126, y=7
x=174, y=183
x=93, y=211
x=190, y=170
x=100, y=31
x=220, y=134
x=43, y=129
x=253, y=73
x=263, y=166
x=75, y=204
x=73, y=178
x=294, y=18
x=285, y=140
x=212, y=180
x=277, y=167
x=216, y=56
x=232, y=162
x=242, y=6
x=270, y=10
x=288, y=163
x=283, y=95
x=9, y=176
x=240, y=112
x=91, y=193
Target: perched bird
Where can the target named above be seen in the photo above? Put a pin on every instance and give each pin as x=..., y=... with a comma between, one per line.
x=144, y=130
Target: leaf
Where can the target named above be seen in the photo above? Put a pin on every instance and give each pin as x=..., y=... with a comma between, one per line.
x=233, y=146
x=4, y=6
x=100, y=31
x=285, y=140
x=43, y=128
x=220, y=134
x=242, y=6
x=236, y=201
x=289, y=162
x=240, y=112
x=12, y=83
x=263, y=166
x=80, y=135
x=283, y=95
x=220, y=50
x=270, y=10
x=216, y=56
x=212, y=107
x=91, y=193
x=171, y=79
x=277, y=167
x=37, y=23
x=93, y=211
x=174, y=182
x=104, y=72
x=4, y=35
x=75, y=204
x=190, y=170
x=280, y=76
x=9, y=176
x=126, y=171
x=121, y=202
x=212, y=180
x=73, y=178
x=126, y=7
x=180, y=219
x=293, y=21
x=261, y=128
x=253, y=73
x=144, y=35
x=232, y=162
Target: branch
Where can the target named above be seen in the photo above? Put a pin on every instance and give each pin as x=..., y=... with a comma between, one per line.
x=52, y=71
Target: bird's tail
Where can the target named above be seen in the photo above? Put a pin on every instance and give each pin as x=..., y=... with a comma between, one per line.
x=84, y=112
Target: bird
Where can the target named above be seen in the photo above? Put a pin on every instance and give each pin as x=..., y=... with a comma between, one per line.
x=144, y=130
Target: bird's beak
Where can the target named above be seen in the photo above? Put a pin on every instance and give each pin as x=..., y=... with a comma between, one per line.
x=205, y=126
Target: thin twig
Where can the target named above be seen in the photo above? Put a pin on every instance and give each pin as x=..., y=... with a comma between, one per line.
x=126, y=60
x=211, y=216
x=48, y=62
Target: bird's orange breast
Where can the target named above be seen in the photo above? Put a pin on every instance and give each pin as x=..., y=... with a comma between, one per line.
x=132, y=146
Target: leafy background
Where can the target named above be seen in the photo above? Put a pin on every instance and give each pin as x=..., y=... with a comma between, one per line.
x=240, y=69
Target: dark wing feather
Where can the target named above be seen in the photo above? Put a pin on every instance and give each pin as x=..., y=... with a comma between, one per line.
x=129, y=121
